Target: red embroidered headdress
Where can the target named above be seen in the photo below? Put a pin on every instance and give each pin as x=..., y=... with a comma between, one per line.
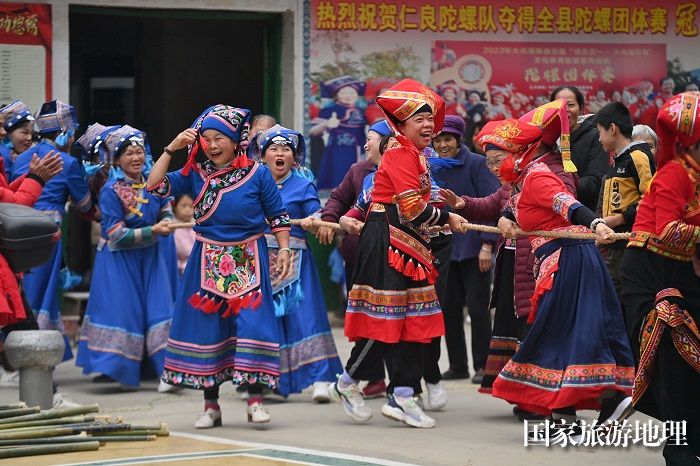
x=677, y=124
x=408, y=96
x=553, y=119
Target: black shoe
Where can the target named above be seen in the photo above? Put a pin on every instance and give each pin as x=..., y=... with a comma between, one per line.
x=451, y=374
x=524, y=415
x=478, y=377
x=617, y=408
x=103, y=378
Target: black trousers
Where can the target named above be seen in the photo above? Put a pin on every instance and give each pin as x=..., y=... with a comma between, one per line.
x=465, y=280
x=441, y=247
x=406, y=358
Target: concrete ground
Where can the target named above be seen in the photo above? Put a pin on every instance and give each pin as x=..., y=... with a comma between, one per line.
x=474, y=429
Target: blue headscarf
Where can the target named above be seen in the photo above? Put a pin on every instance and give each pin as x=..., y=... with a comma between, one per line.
x=117, y=140
x=382, y=128
x=280, y=135
x=234, y=122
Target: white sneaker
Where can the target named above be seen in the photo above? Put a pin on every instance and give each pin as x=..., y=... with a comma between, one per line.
x=320, y=394
x=60, y=401
x=9, y=379
x=257, y=413
x=408, y=412
x=167, y=388
x=351, y=399
x=208, y=419
x=437, y=396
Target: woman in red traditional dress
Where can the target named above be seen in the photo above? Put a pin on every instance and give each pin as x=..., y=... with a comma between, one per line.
x=660, y=289
x=393, y=303
x=576, y=353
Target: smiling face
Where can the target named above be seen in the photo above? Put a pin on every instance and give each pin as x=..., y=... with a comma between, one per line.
x=419, y=129
x=280, y=159
x=494, y=159
x=372, y=147
x=131, y=161
x=21, y=136
x=220, y=148
x=446, y=145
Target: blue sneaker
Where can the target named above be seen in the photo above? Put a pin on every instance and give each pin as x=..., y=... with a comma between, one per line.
x=351, y=399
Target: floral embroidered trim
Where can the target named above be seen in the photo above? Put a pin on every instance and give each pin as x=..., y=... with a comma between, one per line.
x=229, y=274
x=571, y=376
x=685, y=336
x=387, y=304
x=562, y=203
x=197, y=382
x=280, y=222
x=255, y=378
x=131, y=196
x=218, y=182
x=678, y=241
x=163, y=189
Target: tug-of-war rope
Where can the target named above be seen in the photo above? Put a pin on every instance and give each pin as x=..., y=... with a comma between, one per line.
x=470, y=226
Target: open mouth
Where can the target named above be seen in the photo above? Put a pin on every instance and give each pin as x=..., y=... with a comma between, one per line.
x=279, y=163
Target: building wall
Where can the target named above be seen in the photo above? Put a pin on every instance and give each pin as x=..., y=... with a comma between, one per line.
x=291, y=107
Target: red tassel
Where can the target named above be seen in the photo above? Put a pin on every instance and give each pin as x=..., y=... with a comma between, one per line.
x=409, y=270
x=420, y=273
x=246, y=300
x=232, y=308
x=203, y=144
x=190, y=158
x=211, y=306
x=391, y=257
x=399, y=264
x=241, y=161
x=195, y=300
x=257, y=300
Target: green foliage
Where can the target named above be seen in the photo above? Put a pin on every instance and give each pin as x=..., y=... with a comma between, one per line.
x=397, y=63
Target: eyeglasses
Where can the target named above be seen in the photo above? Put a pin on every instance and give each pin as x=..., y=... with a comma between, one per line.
x=494, y=163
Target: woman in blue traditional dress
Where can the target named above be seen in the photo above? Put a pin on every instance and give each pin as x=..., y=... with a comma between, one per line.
x=126, y=323
x=307, y=351
x=224, y=325
x=19, y=124
x=56, y=123
x=345, y=123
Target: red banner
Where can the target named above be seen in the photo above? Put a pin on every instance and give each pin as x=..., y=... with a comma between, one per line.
x=533, y=69
x=28, y=24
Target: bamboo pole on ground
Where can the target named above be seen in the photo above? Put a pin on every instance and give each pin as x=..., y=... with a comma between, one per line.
x=49, y=422
x=32, y=450
x=52, y=414
x=19, y=405
x=77, y=438
x=5, y=413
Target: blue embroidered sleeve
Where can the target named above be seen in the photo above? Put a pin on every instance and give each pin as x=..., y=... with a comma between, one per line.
x=77, y=185
x=175, y=184
x=271, y=201
x=114, y=230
